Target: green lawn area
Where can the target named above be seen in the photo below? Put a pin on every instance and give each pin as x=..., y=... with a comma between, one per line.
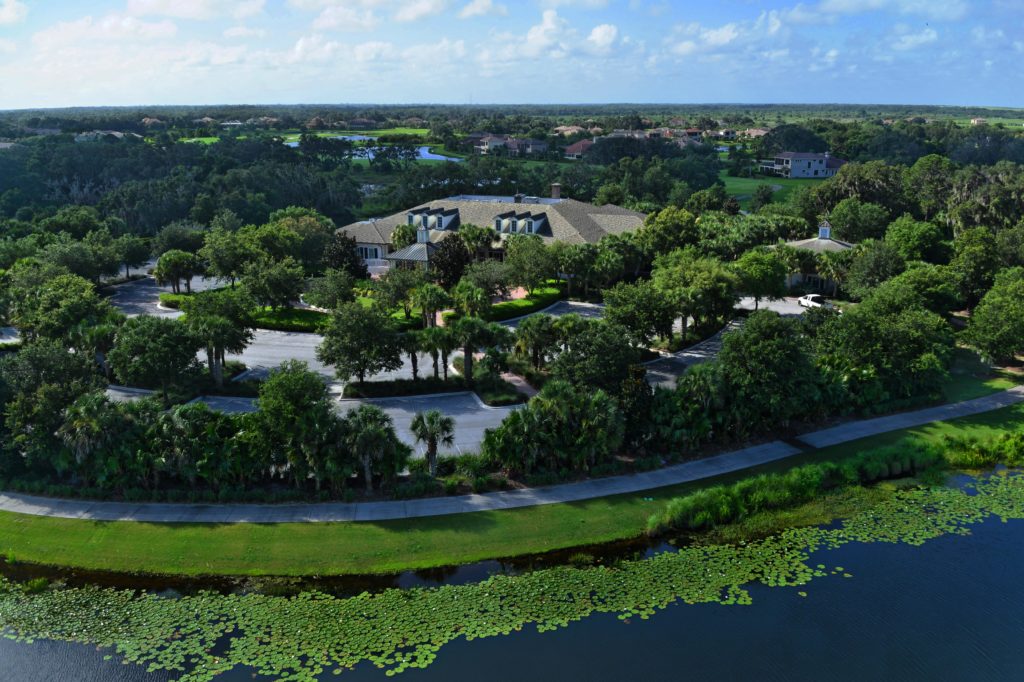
x=289, y=319
x=743, y=188
x=420, y=132
x=970, y=377
x=347, y=548
x=201, y=140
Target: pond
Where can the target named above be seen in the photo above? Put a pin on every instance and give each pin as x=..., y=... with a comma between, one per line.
x=422, y=151
x=950, y=608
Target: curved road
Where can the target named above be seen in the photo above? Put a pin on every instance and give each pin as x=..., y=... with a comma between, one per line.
x=440, y=506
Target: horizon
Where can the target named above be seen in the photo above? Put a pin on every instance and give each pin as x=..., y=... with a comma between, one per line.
x=139, y=53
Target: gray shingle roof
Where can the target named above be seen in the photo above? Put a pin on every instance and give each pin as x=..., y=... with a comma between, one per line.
x=820, y=245
x=568, y=220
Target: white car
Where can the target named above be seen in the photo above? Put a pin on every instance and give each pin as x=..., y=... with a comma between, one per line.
x=814, y=301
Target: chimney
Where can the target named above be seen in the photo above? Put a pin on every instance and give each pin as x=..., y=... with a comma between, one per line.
x=556, y=190
x=518, y=198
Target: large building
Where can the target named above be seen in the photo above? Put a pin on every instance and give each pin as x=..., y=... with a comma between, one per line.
x=553, y=219
x=802, y=165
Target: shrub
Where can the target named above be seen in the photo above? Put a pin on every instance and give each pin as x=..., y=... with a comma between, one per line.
x=401, y=387
x=718, y=505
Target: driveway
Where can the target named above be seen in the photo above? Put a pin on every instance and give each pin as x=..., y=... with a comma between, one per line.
x=142, y=296
x=665, y=371
x=471, y=417
x=787, y=306
x=588, y=310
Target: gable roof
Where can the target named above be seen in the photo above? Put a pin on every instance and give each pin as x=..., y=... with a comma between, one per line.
x=820, y=245
x=579, y=147
x=568, y=220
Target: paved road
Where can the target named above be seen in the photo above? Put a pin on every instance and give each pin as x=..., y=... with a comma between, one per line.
x=587, y=310
x=665, y=371
x=471, y=416
x=142, y=296
x=570, y=492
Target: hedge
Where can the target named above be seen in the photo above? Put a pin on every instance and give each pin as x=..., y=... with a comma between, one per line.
x=404, y=387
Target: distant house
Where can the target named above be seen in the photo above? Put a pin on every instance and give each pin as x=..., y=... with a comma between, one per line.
x=204, y=121
x=362, y=124
x=802, y=165
x=554, y=219
x=491, y=143
x=726, y=134
x=525, y=147
x=8, y=145
x=150, y=122
x=231, y=124
x=694, y=134
x=578, y=149
x=569, y=131
x=628, y=134
x=979, y=121
x=754, y=133
x=106, y=135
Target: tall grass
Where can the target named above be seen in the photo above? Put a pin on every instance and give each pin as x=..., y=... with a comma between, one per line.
x=723, y=504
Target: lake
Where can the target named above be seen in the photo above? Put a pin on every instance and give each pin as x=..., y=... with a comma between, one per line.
x=423, y=152
x=951, y=609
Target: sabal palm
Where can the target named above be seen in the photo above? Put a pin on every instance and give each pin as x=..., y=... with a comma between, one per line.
x=370, y=433
x=433, y=428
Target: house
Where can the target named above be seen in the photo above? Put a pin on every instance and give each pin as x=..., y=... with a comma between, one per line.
x=525, y=147
x=802, y=165
x=823, y=243
x=106, y=135
x=362, y=124
x=204, y=121
x=754, y=133
x=491, y=143
x=631, y=134
x=726, y=134
x=694, y=134
x=569, y=131
x=554, y=219
x=979, y=121
x=150, y=122
x=578, y=149
x=231, y=124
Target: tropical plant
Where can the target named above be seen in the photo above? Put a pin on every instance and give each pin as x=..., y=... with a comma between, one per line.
x=433, y=429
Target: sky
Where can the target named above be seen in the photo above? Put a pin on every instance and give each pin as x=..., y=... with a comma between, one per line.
x=57, y=53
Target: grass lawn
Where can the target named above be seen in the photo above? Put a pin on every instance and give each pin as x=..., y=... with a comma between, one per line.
x=970, y=378
x=290, y=319
x=541, y=298
x=743, y=188
x=347, y=548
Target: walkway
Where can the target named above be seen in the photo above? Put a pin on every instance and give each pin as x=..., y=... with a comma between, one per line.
x=569, y=492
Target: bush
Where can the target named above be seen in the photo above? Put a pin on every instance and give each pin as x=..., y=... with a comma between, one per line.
x=418, y=485
x=718, y=505
x=401, y=387
x=541, y=298
x=290, y=320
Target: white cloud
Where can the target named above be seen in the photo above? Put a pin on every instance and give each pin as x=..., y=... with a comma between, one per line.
x=373, y=51
x=602, y=38
x=910, y=41
x=12, y=11
x=414, y=10
x=7, y=46
x=196, y=9
x=244, y=32
x=111, y=28
x=342, y=18
x=481, y=8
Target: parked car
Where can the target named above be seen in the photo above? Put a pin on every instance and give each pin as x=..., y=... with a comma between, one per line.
x=814, y=301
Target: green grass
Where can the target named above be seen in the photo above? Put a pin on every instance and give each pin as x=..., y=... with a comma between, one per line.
x=541, y=298
x=290, y=319
x=743, y=188
x=970, y=377
x=347, y=548
x=200, y=140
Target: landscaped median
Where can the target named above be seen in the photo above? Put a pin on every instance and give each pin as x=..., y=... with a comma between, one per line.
x=390, y=546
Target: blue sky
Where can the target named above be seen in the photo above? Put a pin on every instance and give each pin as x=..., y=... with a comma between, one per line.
x=125, y=52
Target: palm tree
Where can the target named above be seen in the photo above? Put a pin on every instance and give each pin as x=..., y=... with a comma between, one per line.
x=439, y=341
x=471, y=332
x=471, y=299
x=477, y=239
x=534, y=337
x=433, y=428
x=430, y=298
x=412, y=344
x=371, y=438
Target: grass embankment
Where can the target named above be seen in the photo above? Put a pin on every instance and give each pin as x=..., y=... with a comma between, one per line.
x=348, y=548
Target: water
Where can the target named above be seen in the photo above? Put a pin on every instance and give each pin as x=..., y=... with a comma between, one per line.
x=423, y=152
x=952, y=609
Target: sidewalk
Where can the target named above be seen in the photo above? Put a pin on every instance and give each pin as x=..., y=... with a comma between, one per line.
x=570, y=492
